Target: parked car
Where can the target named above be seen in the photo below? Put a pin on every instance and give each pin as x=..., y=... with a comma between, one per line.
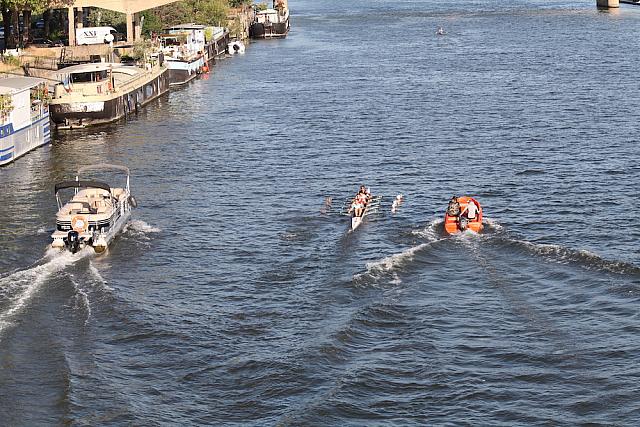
x=42, y=42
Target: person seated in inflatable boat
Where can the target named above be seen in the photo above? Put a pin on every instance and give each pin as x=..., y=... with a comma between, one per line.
x=454, y=207
x=471, y=211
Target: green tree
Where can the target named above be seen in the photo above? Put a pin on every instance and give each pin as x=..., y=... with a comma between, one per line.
x=11, y=10
x=206, y=12
x=103, y=17
x=238, y=3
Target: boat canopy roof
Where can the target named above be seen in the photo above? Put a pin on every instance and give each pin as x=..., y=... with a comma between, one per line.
x=81, y=184
x=100, y=66
x=102, y=167
x=18, y=84
x=182, y=27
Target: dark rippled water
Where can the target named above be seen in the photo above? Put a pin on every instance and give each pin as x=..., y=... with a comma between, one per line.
x=232, y=300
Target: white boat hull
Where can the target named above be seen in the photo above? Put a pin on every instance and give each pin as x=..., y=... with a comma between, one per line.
x=355, y=222
x=98, y=241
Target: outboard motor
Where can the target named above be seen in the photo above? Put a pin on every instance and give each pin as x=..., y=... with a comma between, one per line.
x=73, y=241
x=464, y=222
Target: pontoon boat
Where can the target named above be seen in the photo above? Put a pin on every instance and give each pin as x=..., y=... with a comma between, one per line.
x=95, y=213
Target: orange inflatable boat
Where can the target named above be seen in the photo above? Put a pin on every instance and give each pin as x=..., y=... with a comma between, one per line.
x=457, y=223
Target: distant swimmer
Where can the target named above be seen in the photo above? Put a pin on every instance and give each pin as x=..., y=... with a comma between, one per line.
x=441, y=31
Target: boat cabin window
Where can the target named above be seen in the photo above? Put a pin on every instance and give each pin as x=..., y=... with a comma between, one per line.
x=175, y=40
x=92, y=76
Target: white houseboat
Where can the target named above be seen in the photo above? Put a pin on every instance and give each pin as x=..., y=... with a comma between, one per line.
x=183, y=47
x=96, y=93
x=271, y=23
x=24, y=116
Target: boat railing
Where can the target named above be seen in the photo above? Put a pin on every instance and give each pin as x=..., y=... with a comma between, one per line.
x=134, y=80
x=102, y=87
x=39, y=110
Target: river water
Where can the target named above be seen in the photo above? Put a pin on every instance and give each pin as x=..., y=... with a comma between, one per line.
x=231, y=299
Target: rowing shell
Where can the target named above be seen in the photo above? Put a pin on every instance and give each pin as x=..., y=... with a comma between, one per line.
x=372, y=207
x=355, y=222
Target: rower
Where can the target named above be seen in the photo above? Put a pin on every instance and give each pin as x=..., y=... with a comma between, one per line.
x=356, y=207
x=362, y=203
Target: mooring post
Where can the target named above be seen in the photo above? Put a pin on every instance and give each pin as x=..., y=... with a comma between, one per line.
x=130, y=28
x=608, y=3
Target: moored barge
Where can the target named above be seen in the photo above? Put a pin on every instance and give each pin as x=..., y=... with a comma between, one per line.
x=183, y=47
x=271, y=23
x=96, y=93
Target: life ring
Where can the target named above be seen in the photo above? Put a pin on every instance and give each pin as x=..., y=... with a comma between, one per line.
x=79, y=223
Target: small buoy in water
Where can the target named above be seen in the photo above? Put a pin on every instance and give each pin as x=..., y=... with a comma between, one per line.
x=100, y=245
x=441, y=31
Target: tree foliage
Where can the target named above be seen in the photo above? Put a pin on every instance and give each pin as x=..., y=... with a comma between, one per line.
x=104, y=17
x=10, y=16
x=207, y=12
x=238, y=3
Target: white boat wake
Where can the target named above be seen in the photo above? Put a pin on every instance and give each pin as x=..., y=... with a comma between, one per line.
x=139, y=228
x=431, y=232
x=21, y=286
x=81, y=300
x=377, y=269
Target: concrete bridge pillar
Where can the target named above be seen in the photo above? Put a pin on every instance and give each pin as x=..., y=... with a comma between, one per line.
x=137, y=19
x=134, y=29
x=608, y=3
x=71, y=16
x=130, y=28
